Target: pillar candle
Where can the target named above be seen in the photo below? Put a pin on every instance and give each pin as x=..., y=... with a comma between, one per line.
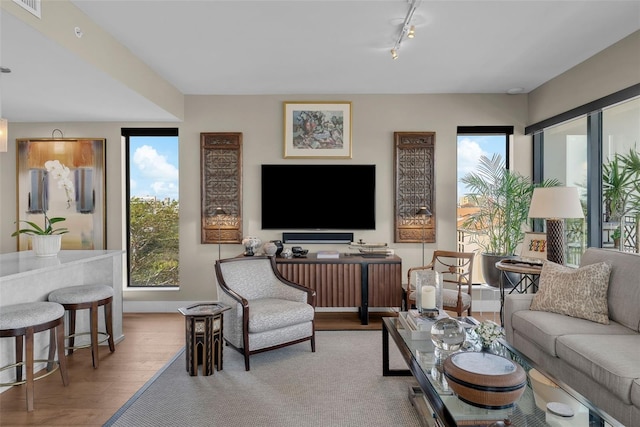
x=428, y=297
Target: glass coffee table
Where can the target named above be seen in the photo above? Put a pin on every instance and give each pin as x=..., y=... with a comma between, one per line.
x=439, y=406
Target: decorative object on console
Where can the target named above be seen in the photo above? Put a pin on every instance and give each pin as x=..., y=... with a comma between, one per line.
x=221, y=185
x=414, y=186
x=317, y=129
x=555, y=204
x=298, y=252
x=269, y=249
x=448, y=334
x=279, y=246
x=250, y=245
x=77, y=167
x=428, y=292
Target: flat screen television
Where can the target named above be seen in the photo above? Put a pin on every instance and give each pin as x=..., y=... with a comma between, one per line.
x=319, y=197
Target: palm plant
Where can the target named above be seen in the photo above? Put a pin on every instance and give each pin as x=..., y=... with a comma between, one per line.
x=503, y=198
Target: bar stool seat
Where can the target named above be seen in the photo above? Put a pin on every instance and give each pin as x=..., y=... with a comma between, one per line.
x=90, y=297
x=22, y=321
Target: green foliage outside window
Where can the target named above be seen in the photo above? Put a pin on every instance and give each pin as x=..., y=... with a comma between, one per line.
x=154, y=245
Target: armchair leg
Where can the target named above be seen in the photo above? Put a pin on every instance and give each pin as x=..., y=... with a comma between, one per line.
x=313, y=343
x=246, y=360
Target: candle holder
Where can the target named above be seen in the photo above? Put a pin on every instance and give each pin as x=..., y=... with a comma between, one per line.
x=428, y=293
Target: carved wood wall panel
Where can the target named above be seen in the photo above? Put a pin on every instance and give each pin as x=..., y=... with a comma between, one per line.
x=414, y=186
x=221, y=186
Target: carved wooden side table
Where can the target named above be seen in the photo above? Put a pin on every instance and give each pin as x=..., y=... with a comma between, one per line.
x=203, y=335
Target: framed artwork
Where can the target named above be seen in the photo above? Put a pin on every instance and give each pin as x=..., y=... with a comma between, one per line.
x=317, y=130
x=534, y=245
x=40, y=192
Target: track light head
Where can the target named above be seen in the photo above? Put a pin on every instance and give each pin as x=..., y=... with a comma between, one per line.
x=394, y=53
x=412, y=32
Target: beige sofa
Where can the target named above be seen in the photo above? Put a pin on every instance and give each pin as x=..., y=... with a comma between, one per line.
x=600, y=361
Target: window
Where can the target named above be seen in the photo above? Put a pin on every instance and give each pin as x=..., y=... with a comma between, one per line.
x=153, y=202
x=473, y=143
x=596, y=147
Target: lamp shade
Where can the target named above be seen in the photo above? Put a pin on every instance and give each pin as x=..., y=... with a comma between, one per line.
x=555, y=202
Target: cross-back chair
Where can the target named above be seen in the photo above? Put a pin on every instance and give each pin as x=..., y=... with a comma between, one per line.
x=456, y=270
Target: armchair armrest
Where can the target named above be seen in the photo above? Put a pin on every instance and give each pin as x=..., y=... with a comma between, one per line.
x=512, y=304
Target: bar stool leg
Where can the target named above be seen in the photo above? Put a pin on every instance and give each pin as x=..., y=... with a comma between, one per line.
x=108, y=319
x=29, y=367
x=72, y=330
x=62, y=358
x=19, y=356
x=93, y=312
x=52, y=349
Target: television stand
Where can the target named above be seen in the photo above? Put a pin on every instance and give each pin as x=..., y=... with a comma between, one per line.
x=352, y=280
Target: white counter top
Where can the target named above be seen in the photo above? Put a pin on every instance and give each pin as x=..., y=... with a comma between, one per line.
x=17, y=264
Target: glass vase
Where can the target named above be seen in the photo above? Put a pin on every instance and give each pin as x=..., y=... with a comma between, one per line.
x=428, y=292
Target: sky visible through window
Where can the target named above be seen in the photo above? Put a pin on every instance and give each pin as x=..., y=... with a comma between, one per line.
x=470, y=148
x=153, y=167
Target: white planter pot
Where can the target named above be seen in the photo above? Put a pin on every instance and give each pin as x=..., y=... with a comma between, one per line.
x=47, y=245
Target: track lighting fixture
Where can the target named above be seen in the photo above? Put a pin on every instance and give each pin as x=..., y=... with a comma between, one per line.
x=408, y=31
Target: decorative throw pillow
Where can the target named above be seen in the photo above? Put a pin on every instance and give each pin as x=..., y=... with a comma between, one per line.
x=578, y=292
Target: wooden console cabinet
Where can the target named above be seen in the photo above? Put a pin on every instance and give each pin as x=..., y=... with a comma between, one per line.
x=348, y=281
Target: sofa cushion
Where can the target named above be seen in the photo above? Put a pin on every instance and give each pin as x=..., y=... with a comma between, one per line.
x=610, y=360
x=578, y=293
x=635, y=393
x=544, y=328
x=272, y=313
x=624, y=284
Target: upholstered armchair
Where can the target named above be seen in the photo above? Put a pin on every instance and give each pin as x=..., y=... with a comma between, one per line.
x=267, y=311
x=456, y=270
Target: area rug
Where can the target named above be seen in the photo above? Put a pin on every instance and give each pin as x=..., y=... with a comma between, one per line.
x=341, y=384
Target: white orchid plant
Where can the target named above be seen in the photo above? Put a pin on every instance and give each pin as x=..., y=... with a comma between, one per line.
x=61, y=174
x=488, y=332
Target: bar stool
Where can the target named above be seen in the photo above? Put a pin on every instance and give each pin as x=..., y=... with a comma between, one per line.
x=22, y=321
x=87, y=297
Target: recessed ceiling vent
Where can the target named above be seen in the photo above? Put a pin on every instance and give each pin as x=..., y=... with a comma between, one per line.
x=33, y=6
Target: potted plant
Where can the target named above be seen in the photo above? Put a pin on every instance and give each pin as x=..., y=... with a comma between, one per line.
x=503, y=198
x=46, y=239
x=621, y=190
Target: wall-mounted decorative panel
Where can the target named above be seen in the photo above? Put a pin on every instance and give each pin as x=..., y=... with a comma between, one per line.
x=414, y=186
x=221, y=186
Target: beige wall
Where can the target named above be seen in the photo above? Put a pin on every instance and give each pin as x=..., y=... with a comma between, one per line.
x=259, y=118
x=613, y=69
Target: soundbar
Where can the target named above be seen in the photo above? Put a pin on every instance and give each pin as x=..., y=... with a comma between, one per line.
x=290, y=237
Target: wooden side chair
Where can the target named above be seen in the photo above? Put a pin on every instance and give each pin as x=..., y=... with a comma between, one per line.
x=456, y=270
x=267, y=311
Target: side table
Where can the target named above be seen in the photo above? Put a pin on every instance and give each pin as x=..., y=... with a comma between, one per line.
x=203, y=336
x=529, y=275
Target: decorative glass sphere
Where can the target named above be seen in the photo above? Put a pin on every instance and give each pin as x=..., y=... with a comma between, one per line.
x=448, y=334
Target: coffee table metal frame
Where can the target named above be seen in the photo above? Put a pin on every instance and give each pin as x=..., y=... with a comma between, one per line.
x=391, y=326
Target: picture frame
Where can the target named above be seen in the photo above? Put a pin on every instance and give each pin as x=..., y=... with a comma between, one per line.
x=85, y=215
x=317, y=129
x=534, y=245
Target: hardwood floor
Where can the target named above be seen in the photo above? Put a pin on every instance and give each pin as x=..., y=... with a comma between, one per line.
x=94, y=395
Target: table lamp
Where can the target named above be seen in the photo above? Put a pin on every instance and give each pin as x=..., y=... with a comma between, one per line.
x=555, y=204
x=425, y=213
x=219, y=211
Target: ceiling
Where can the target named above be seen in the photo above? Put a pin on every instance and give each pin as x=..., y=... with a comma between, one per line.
x=304, y=47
